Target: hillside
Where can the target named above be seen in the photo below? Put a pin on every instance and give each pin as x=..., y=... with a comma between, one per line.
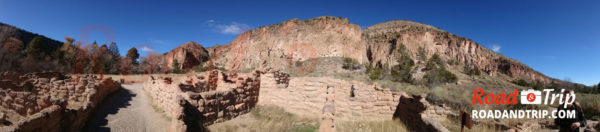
x=279, y=45
x=8, y=31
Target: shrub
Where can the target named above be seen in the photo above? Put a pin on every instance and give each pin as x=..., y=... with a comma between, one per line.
x=422, y=52
x=521, y=82
x=350, y=64
x=200, y=68
x=439, y=76
x=403, y=71
x=471, y=70
x=176, y=68
x=374, y=72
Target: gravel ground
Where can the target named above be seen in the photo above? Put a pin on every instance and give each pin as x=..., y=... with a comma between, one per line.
x=128, y=110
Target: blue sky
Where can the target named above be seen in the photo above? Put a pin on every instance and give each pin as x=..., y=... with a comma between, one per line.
x=560, y=39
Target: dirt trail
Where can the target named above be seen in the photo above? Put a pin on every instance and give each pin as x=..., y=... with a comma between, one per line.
x=128, y=110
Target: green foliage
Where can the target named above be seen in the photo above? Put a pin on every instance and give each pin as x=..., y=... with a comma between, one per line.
x=403, y=71
x=521, y=82
x=436, y=58
x=538, y=85
x=471, y=70
x=176, y=68
x=439, y=76
x=200, y=68
x=133, y=55
x=422, y=54
x=374, y=72
x=437, y=73
x=350, y=64
x=38, y=47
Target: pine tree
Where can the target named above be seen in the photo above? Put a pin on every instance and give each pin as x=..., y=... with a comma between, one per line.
x=133, y=55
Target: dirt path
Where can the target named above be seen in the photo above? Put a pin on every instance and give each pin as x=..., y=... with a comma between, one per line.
x=128, y=110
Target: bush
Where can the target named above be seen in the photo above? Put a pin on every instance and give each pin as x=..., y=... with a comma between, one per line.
x=422, y=53
x=374, y=72
x=200, y=68
x=439, y=76
x=403, y=71
x=471, y=70
x=437, y=73
x=176, y=68
x=521, y=82
x=350, y=64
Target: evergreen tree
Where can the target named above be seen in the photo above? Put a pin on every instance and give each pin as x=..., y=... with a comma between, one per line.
x=176, y=68
x=133, y=55
x=37, y=47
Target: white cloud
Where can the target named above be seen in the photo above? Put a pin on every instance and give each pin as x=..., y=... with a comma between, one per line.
x=147, y=49
x=233, y=28
x=496, y=48
x=157, y=41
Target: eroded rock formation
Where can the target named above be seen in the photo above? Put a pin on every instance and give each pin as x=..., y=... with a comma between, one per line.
x=187, y=55
x=278, y=46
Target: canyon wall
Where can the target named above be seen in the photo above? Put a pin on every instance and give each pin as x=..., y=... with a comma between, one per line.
x=278, y=45
x=51, y=101
x=384, y=39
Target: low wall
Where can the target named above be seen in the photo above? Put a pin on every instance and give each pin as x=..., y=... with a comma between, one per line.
x=204, y=99
x=50, y=101
x=307, y=96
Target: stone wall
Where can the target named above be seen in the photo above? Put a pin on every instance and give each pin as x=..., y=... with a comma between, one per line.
x=50, y=101
x=335, y=100
x=204, y=99
x=307, y=96
x=421, y=115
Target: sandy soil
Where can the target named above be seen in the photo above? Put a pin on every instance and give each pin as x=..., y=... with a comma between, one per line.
x=128, y=110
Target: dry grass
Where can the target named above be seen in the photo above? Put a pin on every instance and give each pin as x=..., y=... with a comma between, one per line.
x=371, y=126
x=267, y=118
x=454, y=126
x=590, y=104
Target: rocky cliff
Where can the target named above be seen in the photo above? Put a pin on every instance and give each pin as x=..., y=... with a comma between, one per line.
x=278, y=46
x=187, y=55
x=382, y=40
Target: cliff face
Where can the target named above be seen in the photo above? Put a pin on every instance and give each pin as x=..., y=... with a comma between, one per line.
x=187, y=55
x=382, y=40
x=278, y=46
x=275, y=46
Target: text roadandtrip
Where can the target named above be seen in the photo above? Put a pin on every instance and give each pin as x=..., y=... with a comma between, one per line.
x=520, y=114
x=527, y=97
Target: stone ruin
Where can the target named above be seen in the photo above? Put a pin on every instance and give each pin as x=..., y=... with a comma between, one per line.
x=49, y=101
x=334, y=100
x=199, y=100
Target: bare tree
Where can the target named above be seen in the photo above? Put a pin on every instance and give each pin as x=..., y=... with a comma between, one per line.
x=152, y=63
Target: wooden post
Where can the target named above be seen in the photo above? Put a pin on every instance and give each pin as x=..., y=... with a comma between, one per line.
x=466, y=120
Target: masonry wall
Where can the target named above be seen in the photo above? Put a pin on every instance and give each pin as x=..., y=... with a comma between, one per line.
x=50, y=101
x=204, y=99
x=353, y=100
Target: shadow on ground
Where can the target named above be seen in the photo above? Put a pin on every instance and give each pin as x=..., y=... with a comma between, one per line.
x=98, y=121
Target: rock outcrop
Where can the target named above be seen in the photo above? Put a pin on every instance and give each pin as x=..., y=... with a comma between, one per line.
x=187, y=55
x=384, y=38
x=279, y=45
